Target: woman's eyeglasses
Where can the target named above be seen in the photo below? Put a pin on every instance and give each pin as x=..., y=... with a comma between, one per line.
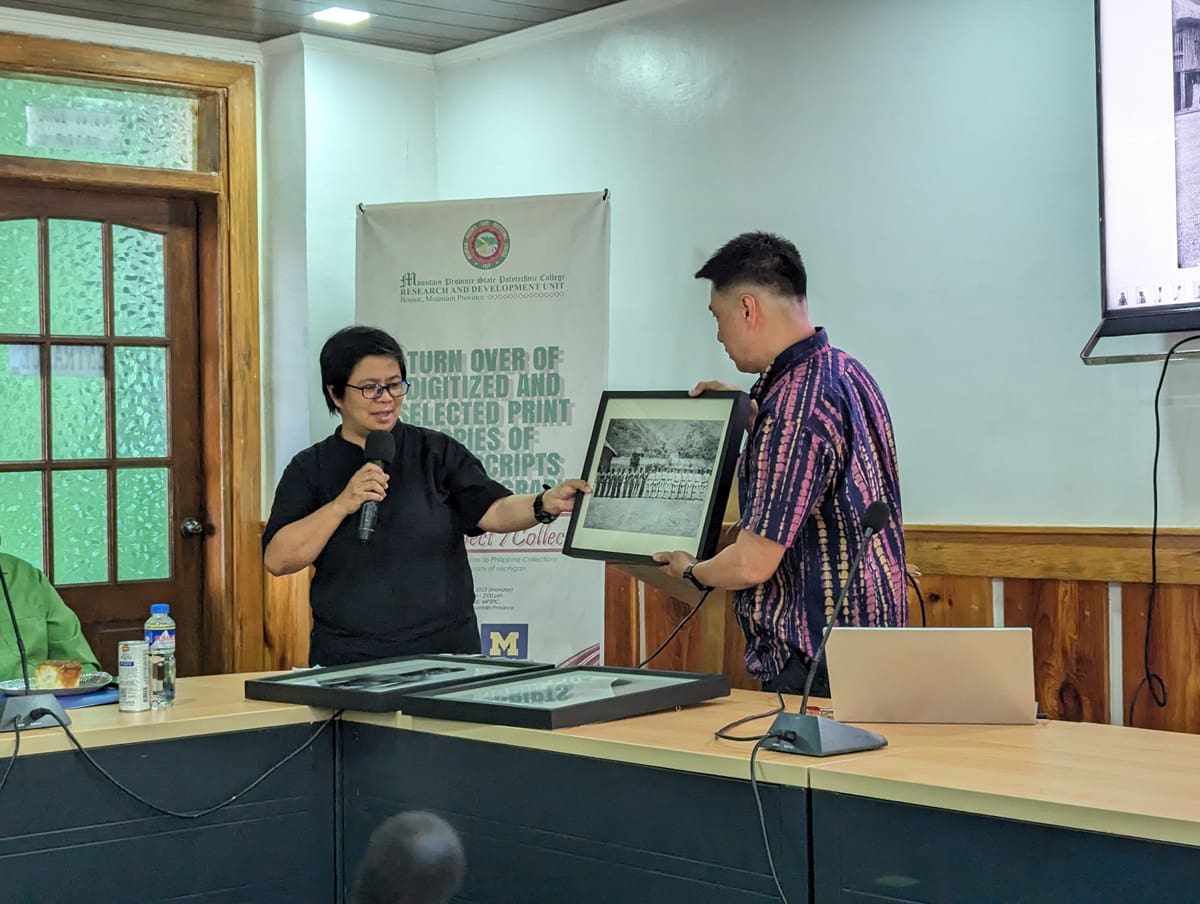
x=373, y=391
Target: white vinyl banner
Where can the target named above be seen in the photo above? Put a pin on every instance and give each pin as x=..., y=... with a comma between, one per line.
x=502, y=308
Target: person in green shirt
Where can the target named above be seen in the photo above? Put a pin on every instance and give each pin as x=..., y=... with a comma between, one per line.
x=48, y=626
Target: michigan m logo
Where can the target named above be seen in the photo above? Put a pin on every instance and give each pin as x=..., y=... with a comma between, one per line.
x=505, y=641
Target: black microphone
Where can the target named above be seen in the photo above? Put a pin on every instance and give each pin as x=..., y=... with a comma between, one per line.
x=874, y=519
x=380, y=449
x=810, y=735
x=31, y=710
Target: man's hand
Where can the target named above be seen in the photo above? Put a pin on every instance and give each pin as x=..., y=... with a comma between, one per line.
x=369, y=484
x=714, y=385
x=674, y=562
x=717, y=385
x=560, y=500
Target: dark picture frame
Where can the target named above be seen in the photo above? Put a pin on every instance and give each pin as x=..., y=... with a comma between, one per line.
x=380, y=686
x=661, y=465
x=563, y=698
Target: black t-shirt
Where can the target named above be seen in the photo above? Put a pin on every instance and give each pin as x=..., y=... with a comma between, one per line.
x=409, y=588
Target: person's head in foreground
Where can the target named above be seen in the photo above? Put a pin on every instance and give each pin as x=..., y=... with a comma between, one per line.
x=412, y=858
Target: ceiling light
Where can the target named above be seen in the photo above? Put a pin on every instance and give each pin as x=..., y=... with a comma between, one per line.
x=340, y=16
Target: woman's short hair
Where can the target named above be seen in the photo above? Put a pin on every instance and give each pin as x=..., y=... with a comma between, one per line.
x=344, y=349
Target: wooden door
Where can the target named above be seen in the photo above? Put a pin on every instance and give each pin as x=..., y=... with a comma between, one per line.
x=100, y=453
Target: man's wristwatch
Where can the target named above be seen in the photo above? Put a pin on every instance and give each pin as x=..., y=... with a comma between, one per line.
x=539, y=511
x=692, y=579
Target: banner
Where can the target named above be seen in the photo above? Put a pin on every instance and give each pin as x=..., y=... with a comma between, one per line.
x=502, y=308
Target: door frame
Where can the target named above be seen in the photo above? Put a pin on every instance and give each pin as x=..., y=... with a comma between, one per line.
x=226, y=196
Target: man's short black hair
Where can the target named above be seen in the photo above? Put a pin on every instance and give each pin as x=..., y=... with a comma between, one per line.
x=412, y=858
x=760, y=258
x=345, y=348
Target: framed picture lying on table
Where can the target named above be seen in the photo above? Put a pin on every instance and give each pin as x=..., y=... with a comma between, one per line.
x=565, y=697
x=660, y=465
x=380, y=686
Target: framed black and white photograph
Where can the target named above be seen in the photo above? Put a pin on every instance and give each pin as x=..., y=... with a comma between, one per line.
x=563, y=698
x=382, y=685
x=661, y=465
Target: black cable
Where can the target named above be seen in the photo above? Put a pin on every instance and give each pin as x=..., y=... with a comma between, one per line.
x=1158, y=688
x=190, y=814
x=679, y=627
x=762, y=821
x=721, y=732
x=12, y=760
x=920, y=598
x=12, y=613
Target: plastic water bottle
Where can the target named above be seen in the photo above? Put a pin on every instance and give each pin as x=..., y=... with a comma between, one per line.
x=160, y=635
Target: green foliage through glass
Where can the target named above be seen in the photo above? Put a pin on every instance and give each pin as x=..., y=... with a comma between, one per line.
x=80, y=505
x=143, y=541
x=21, y=515
x=19, y=276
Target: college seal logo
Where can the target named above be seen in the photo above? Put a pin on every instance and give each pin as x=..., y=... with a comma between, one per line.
x=486, y=244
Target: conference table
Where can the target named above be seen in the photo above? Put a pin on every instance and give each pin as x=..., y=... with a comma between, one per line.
x=651, y=809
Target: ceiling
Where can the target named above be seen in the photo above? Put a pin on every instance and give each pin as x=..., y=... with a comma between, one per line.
x=424, y=26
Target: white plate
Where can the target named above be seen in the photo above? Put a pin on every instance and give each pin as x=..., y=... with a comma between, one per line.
x=88, y=682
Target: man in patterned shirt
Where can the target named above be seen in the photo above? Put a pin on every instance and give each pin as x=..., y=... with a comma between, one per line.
x=820, y=450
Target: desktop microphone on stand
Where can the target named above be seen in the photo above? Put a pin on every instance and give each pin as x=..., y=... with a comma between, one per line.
x=31, y=710
x=807, y=735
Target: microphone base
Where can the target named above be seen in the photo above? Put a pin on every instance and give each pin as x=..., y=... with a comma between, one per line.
x=19, y=708
x=814, y=736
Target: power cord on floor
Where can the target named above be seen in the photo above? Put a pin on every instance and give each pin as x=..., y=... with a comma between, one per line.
x=762, y=820
x=679, y=627
x=12, y=760
x=723, y=734
x=1150, y=679
x=180, y=814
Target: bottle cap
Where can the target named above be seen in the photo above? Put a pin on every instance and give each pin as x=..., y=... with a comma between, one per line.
x=159, y=608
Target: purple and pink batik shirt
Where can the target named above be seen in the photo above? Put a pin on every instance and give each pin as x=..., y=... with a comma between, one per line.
x=820, y=451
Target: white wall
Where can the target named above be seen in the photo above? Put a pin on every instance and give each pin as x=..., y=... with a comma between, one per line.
x=935, y=161
x=284, y=242
x=348, y=124
x=370, y=138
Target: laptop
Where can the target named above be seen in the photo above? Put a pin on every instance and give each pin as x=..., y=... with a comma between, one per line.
x=981, y=676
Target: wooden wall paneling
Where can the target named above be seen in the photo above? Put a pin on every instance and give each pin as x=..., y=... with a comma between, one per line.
x=712, y=627
x=28, y=53
x=662, y=613
x=287, y=620
x=242, y=372
x=952, y=601
x=105, y=177
x=620, y=618
x=218, y=559
x=1070, y=644
x=915, y=618
x=1174, y=655
x=734, y=661
x=1062, y=553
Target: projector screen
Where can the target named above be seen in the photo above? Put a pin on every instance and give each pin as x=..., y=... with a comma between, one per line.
x=1149, y=58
